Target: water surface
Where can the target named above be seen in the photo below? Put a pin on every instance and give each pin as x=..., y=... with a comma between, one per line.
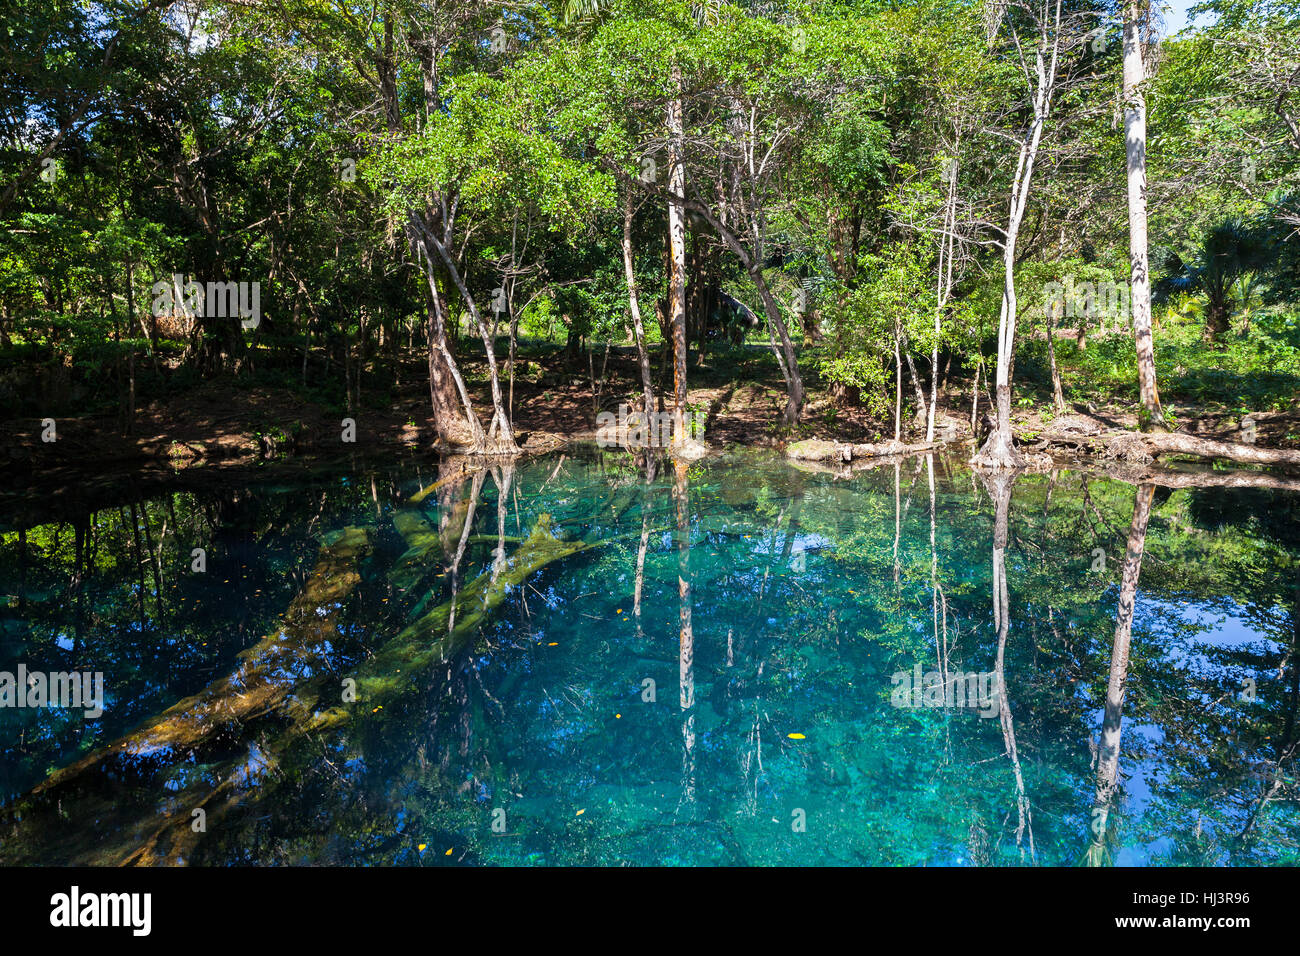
x=555, y=719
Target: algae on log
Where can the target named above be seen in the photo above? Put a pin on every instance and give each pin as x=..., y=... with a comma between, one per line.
x=430, y=640
x=267, y=672
x=99, y=788
x=151, y=824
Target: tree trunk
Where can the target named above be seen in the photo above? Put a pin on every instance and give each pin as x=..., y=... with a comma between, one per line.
x=1058, y=396
x=1108, y=758
x=1135, y=137
x=677, y=257
x=922, y=411
x=1217, y=320
x=786, y=359
x=453, y=410
x=634, y=306
x=999, y=450
x=946, y=241
x=898, y=386
x=499, y=438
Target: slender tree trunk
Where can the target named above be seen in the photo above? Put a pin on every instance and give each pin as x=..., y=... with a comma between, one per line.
x=946, y=241
x=922, y=411
x=634, y=306
x=1058, y=396
x=677, y=257
x=999, y=450
x=1135, y=138
x=898, y=386
x=1108, y=758
x=786, y=359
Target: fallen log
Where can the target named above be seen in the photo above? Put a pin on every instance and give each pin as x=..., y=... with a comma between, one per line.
x=1180, y=444
x=101, y=812
x=1141, y=447
x=816, y=449
x=265, y=673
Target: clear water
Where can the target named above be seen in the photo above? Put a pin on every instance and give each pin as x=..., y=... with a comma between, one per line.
x=556, y=726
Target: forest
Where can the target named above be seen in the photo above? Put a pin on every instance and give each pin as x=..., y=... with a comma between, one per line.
x=463, y=224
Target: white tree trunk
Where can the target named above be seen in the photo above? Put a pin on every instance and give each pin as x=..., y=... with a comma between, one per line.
x=677, y=257
x=1000, y=451
x=1135, y=143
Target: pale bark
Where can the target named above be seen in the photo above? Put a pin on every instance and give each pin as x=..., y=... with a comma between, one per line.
x=946, y=241
x=898, y=387
x=1058, y=396
x=634, y=306
x=922, y=412
x=677, y=257
x=1108, y=759
x=999, y=451
x=1135, y=140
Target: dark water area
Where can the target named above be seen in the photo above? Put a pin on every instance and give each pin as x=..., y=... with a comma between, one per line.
x=585, y=660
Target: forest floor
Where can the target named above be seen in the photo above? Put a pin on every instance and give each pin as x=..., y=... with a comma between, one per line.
x=239, y=421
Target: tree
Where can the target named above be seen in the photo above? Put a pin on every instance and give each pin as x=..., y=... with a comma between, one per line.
x=1135, y=140
x=999, y=449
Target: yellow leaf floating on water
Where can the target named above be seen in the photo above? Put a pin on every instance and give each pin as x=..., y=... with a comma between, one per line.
x=580, y=813
x=421, y=847
x=448, y=853
x=796, y=736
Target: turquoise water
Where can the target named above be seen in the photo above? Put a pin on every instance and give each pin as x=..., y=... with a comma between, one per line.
x=549, y=723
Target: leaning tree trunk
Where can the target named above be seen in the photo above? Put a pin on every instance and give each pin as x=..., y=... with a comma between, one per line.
x=1135, y=138
x=786, y=359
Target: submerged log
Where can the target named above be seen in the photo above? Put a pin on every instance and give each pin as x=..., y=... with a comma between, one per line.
x=436, y=635
x=265, y=675
x=103, y=811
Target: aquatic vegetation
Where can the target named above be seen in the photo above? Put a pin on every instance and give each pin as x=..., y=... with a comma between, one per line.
x=440, y=691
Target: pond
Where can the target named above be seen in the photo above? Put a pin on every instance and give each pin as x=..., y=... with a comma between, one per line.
x=593, y=659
